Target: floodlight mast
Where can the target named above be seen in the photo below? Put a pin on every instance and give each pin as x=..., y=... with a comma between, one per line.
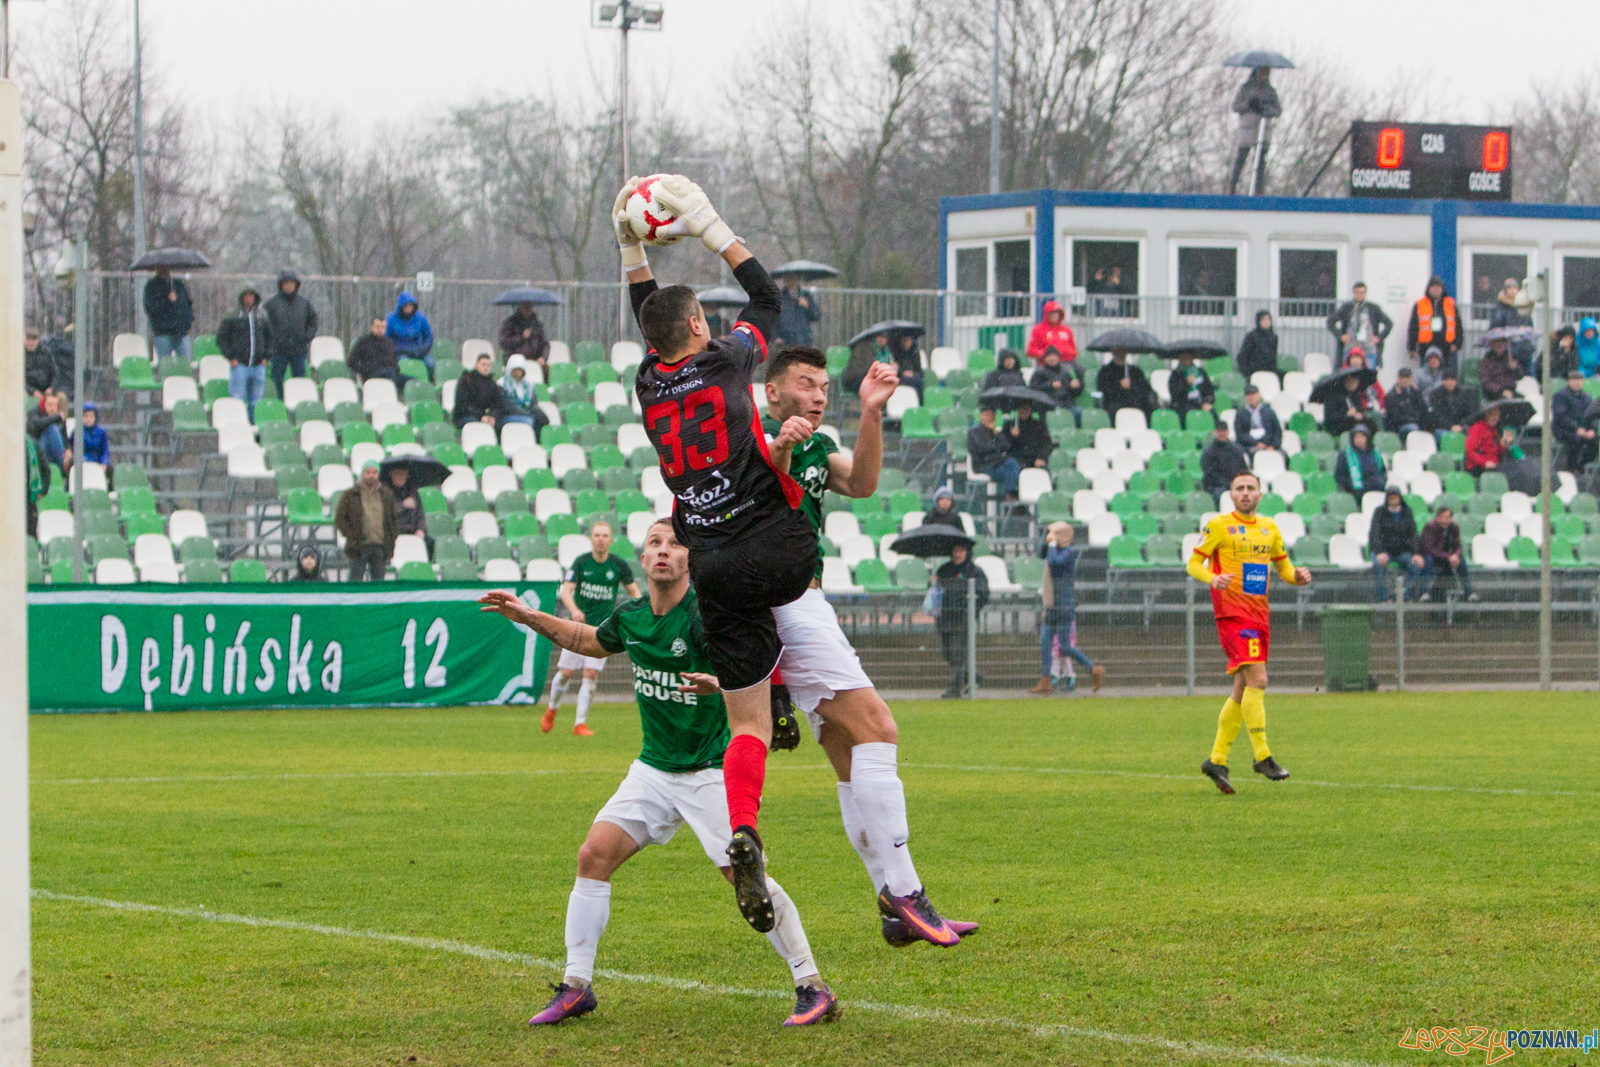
x=625, y=15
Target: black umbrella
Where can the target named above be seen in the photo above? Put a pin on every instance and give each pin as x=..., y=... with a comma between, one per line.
x=1331, y=388
x=893, y=327
x=807, y=270
x=1199, y=346
x=1504, y=333
x=723, y=296
x=931, y=540
x=1129, y=340
x=175, y=258
x=421, y=471
x=1513, y=412
x=1011, y=395
x=527, y=294
x=1259, y=58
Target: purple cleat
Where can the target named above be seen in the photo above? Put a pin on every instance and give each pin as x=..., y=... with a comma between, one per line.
x=898, y=935
x=917, y=918
x=568, y=1003
x=812, y=1006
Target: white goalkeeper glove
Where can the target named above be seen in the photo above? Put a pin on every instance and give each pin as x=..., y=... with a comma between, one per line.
x=633, y=256
x=693, y=208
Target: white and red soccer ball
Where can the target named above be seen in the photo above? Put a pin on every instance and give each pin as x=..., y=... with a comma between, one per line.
x=646, y=215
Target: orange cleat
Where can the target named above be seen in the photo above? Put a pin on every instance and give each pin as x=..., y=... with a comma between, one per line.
x=581, y=730
x=549, y=721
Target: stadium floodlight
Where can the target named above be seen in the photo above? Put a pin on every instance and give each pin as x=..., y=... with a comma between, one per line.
x=624, y=15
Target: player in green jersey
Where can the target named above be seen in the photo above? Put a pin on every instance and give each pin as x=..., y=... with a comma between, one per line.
x=821, y=671
x=588, y=593
x=677, y=778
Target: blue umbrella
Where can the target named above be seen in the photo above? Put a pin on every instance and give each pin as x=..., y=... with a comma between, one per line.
x=528, y=294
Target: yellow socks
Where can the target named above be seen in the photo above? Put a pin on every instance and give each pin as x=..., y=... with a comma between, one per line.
x=1228, y=724
x=1255, y=716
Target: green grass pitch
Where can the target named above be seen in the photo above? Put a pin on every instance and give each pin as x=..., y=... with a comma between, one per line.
x=1432, y=862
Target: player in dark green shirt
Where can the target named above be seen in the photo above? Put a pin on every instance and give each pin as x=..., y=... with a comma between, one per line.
x=677, y=778
x=588, y=593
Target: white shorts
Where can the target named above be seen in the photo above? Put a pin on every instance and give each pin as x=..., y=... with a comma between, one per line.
x=651, y=804
x=818, y=660
x=571, y=661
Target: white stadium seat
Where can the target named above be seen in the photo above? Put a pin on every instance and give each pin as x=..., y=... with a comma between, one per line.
x=1189, y=541
x=53, y=524
x=631, y=436
x=994, y=569
x=1287, y=485
x=902, y=400
x=114, y=571
x=1516, y=504
x=1344, y=552
x=1298, y=384
x=545, y=570
x=1267, y=382
x=855, y=549
x=213, y=368
x=233, y=435
x=447, y=395
x=92, y=475
x=226, y=411
x=1404, y=466
x=361, y=453
x=1358, y=526
x=1428, y=486
x=652, y=484
x=124, y=345
x=1531, y=526
x=1422, y=443
x=1102, y=528
x=1090, y=462
x=409, y=548
x=1086, y=504
x=461, y=480
x=314, y=432
x=390, y=415
x=1371, y=501
x=1145, y=442
x=637, y=525
x=548, y=502
x=499, y=479
x=176, y=388
x=342, y=391
x=1291, y=526
x=1291, y=443
x=625, y=354
x=1500, y=527
x=1109, y=442
x=1568, y=487
x=376, y=392
x=1131, y=419
x=1268, y=465
x=608, y=395
x=184, y=524
x=476, y=525
x=297, y=391
x=836, y=576
x=1108, y=484
x=501, y=570
x=472, y=348
x=333, y=478
x=943, y=360
x=151, y=548
x=1033, y=483
x=326, y=350
x=1161, y=382
x=567, y=457
x=163, y=571
x=474, y=435
x=1490, y=553
x=1316, y=365
x=248, y=461
x=840, y=526
x=559, y=352
x=1127, y=464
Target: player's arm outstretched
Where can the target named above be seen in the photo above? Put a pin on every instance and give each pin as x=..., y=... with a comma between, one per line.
x=856, y=475
x=573, y=636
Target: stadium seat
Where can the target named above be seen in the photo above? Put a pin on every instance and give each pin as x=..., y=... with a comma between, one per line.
x=114, y=571
x=1503, y=528
x=248, y=461
x=1102, y=528
x=333, y=478
x=362, y=454
x=1344, y=552
x=247, y=570
x=325, y=350
x=994, y=569
x=1125, y=551
x=476, y=525
x=413, y=570
x=176, y=389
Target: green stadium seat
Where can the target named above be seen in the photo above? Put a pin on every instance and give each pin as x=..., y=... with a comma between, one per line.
x=1494, y=483
x=1584, y=506
x=323, y=455
x=357, y=433
x=450, y=454
x=955, y=445
x=1125, y=551
x=450, y=547
x=590, y=501
x=631, y=500
x=592, y=435
x=94, y=500
x=1341, y=505
x=441, y=525
x=531, y=547
x=1523, y=552
x=578, y=415
x=138, y=525
x=1197, y=502
x=1163, y=502
x=537, y=478
x=1454, y=444
x=519, y=525
x=303, y=507
x=952, y=421
x=435, y=434
x=880, y=526
x=189, y=416
x=1054, y=507
x=1562, y=551
x=288, y=455
x=606, y=457
x=1200, y=423
x=1589, y=550
x=1319, y=443
x=873, y=576
x=1446, y=499
x=838, y=357
x=1272, y=504
x=1325, y=525
x=468, y=500
x=1312, y=551
x=331, y=369
x=347, y=412
x=1096, y=419
x=429, y=412
x=1126, y=504
x=205, y=344
x=203, y=572
x=105, y=546
x=1471, y=526
x=247, y=570
x=418, y=391
x=1144, y=482
x=911, y=574
x=101, y=524
x=1483, y=504
x=269, y=409
x=458, y=570
x=1442, y=463
x=446, y=368
x=272, y=434
x=1059, y=422
x=1181, y=483
x=918, y=424
x=902, y=502
x=958, y=380
x=617, y=479
x=213, y=390
x=433, y=501
x=576, y=481
x=134, y=500
x=487, y=456
x=938, y=397
x=492, y=548
x=1164, y=550
x=398, y=433
x=980, y=361
x=55, y=499
x=618, y=415
x=595, y=373
x=1165, y=420
x=868, y=505
x=588, y=352
x=510, y=502
x=560, y=526
x=416, y=570
x=173, y=367
x=414, y=368
x=1387, y=443
x=1142, y=527
x=135, y=372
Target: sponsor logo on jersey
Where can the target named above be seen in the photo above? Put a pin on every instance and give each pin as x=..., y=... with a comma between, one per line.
x=680, y=647
x=1255, y=579
x=718, y=489
x=661, y=685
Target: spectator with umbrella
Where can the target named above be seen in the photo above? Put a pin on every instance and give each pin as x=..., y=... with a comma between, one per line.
x=1346, y=399
x=908, y=360
x=167, y=304
x=1189, y=386
x=1359, y=468
x=1052, y=331
x=245, y=339
x=1435, y=320
x=955, y=580
x=1061, y=381
x=1029, y=441
x=1256, y=104
x=373, y=356
x=1259, y=350
x=989, y=452
x=880, y=343
x=293, y=323
x=800, y=306
x=1499, y=370
x=410, y=331
x=404, y=476
x=1123, y=385
x=522, y=333
x=1007, y=373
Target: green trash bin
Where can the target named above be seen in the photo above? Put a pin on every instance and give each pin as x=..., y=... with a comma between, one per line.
x=1346, y=645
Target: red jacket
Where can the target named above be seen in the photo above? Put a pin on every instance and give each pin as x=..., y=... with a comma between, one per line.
x=1046, y=336
x=1483, y=446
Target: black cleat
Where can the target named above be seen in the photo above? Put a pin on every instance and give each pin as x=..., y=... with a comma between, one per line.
x=785, y=721
x=750, y=880
x=1268, y=768
x=1218, y=773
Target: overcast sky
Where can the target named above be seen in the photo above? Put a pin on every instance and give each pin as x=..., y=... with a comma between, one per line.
x=401, y=58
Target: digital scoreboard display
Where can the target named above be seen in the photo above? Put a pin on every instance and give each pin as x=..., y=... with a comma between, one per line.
x=1429, y=161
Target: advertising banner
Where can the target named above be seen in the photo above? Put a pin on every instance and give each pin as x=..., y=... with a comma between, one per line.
x=177, y=648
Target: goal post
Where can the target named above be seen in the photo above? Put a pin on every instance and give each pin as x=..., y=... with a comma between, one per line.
x=15, y=960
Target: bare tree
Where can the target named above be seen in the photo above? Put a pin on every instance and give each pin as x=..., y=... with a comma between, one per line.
x=1558, y=143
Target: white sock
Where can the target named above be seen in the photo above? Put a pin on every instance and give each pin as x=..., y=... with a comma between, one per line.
x=585, y=697
x=588, y=909
x=788, y=936
x=881, y=800
x=856, y=831
x=558, y=689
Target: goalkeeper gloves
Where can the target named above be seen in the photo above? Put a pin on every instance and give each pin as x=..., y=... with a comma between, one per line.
x=633, y=256
x=689, y=202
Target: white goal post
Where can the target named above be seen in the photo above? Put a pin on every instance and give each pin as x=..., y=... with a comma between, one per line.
x=15, y=970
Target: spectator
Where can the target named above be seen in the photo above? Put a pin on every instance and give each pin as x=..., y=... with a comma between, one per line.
x=1450, y=407
x=1392, y=542
x=1349, y=411
x=1440, y=547
x=522, y=334
x=1007, y=373
x=38, y=364
x=1255, y=425
x=96, y=442
x=373, y=355
x=59, y=346
x=800, y=310
x=1061, y=382
x=410, y=331
x=409, y=517
x=1564, y=353
x=1123, y=385
x=1435, y=320
x=1573, y=423
x=309, y=564
x=1357, y=322
x=1221, y=460
x=1259, y=350
x=1507, y=315
x=38, y=477
x=522, y=401
x=1050, y=332
x=908, y=359
x=954, y=579
x=1372, y=395
x=1498, y=371
x=1058, y=625
x=989, y=454
x=1256, y=100
x=48, y=429
x=367, y=518
x=478, y=397
x=1488, y=445
x=1359, y=468
x=1191, y=388
x=171, y=313
x=1431, y=373
x=245, y=340
x=1589, y=347
x=1405, y=409
x=1027, y=439
x=292, y=323
x=943, y=512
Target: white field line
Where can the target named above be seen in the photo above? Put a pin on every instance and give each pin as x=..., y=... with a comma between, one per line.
x=1195, y=1049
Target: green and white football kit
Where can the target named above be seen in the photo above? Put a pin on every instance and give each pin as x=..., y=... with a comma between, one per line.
x=596, y=587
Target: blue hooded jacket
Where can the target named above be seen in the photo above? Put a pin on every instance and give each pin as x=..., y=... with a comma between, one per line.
x=96, y=445
x=1589, y=347
x=412, y=337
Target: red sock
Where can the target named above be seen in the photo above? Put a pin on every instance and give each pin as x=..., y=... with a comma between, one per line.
x=744, y=771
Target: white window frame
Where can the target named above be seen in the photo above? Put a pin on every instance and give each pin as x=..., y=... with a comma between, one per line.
x=1558, y=271
x=987, y=317
x=1341, y=279
x=1071, y=242
x=1241, y=285
x=1464, y=267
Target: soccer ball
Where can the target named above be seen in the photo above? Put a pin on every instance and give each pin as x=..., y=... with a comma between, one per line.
x=647, y=217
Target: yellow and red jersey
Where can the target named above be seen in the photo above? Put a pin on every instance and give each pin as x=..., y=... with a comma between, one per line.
x=1249, y=548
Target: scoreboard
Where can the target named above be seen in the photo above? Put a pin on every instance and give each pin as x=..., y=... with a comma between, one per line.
x=1430, y=161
